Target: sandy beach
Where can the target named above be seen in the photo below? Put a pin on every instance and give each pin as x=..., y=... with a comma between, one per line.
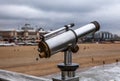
x=25, y=59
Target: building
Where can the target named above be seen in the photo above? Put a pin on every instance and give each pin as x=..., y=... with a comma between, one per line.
x=105, y=36
x=26, y=33
x=101, y=36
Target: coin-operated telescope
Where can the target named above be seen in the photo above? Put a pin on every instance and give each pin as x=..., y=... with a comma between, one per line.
x=65, y=40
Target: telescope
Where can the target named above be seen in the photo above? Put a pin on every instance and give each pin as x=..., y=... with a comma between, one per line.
x=60, y=42
x=65, y=40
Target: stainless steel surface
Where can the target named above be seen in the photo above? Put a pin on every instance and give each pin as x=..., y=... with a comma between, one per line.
x=84, y=30
x=71, y=73
x=65, y=42
x=63, y=75
x=58, y=31
x=62, y=41
x=68, y=57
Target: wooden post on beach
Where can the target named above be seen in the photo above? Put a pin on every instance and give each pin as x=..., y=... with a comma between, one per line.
x=117, y=61
x=103, y=63
x=92, y=59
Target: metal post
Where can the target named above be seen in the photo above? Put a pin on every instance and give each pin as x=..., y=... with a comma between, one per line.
x=68, y=61
x=68, y=57
x=67, y=68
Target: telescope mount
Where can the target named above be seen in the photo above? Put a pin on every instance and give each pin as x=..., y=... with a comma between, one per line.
x=68, y=68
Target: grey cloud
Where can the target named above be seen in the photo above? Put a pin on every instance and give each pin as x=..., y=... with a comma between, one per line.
x=56, y=13
x=62, y=5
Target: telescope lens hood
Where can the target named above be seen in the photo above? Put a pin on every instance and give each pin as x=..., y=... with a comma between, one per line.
x=44, y=50
x=97, y=25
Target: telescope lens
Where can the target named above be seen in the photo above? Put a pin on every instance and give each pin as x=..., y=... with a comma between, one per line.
x=44, y=50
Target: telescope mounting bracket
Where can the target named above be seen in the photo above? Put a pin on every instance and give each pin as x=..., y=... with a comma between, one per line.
x=68, y=68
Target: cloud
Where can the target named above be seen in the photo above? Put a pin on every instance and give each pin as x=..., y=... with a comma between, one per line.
x=57, y=13
x=16, y=14
x=109, y=16
x=108, y=13
x=17, y=11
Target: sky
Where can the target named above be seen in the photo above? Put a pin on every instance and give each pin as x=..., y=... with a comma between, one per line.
x=53, y=14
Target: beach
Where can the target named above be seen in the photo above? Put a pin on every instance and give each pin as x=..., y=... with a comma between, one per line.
x=25, y=59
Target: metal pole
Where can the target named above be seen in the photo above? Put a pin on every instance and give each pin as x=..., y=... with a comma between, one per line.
x=68, y=57
x=67, y=68
x=68, y=61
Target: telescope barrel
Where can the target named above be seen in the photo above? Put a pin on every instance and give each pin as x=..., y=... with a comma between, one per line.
x=58, y=31
x=62, y=41
x=92, y=27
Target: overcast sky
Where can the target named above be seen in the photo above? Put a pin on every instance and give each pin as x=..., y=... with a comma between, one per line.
x=52, y=14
